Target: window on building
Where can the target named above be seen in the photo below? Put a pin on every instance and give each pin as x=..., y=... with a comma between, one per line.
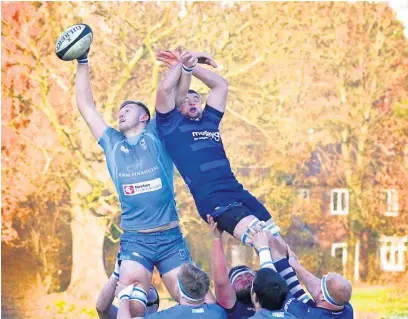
x=392, y=253
x=339, y=201
x=392, y=207
x=339, y=251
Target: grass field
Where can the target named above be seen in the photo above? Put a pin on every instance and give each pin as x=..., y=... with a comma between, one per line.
x=380, y=302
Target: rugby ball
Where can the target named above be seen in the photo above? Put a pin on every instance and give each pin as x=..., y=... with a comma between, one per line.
x=74, y=42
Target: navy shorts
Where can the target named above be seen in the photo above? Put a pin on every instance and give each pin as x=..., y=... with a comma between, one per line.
x=166, y=250
x=231, y=215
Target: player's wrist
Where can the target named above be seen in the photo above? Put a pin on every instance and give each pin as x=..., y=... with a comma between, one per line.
x=83, y=59
x=188, y=69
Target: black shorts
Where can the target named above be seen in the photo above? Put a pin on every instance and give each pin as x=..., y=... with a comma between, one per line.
x=229, y=219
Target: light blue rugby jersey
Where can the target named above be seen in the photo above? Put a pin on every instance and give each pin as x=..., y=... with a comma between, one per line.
x=204, y=311
x=143, y=175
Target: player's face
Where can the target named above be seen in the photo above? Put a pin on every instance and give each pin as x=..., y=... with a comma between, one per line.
x=243, y=281
x=129, y=117
x=242, y=286
x=192, y=106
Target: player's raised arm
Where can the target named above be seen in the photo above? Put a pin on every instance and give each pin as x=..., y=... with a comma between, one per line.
x=224, y=293
x=174, y=86
x=85, y=101
x=217, y=84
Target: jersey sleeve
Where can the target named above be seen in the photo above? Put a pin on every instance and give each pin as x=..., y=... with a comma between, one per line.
x=168, y=122
x=213, y=115
x=109, y=138
x=286, y=271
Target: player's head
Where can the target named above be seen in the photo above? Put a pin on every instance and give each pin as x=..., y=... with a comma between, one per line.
x=241, y=278
x=335, y=291
x=153, y=300
x=269, y=290
x=131, y=114
x=193, y=283
x=192, y=105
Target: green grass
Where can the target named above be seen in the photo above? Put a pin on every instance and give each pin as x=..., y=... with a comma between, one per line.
x=386, y=302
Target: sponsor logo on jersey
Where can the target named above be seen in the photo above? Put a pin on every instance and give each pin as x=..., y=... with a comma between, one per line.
x=132, y=168
x=197, y=310
x=206, y=135
x=142, y=187
x=182, y=253
x=278, y=315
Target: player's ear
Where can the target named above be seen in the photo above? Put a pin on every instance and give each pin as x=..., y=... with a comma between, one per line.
x=144, y=118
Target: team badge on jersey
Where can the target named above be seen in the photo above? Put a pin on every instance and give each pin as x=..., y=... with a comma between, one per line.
x=143, y=144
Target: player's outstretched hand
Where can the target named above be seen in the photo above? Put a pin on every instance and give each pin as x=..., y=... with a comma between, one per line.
x=217, y=233
x=204, y=58
x=168, y=58
x=188, y=59
x=259, y=238
x=122, y=289
x=292, y=258
x=279, y=248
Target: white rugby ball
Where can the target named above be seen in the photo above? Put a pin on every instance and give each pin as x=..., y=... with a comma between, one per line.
x=74, y=42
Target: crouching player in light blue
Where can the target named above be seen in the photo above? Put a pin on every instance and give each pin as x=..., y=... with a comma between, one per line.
x=193, y=285
x=143, y=176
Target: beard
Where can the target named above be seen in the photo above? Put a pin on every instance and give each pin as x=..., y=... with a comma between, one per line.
x=244, y=296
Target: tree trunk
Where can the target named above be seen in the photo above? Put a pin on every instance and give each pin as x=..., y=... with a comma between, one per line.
x=88, y=232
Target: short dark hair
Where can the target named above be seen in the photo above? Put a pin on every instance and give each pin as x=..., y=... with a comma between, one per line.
x=139, y=103
x=270, y=289
x=194, y=92
x=194, y=281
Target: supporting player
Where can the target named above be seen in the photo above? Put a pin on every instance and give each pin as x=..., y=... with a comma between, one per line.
x=193, y=285
x=331, y=294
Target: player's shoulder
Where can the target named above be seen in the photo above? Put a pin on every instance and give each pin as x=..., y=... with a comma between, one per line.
x=217, y=309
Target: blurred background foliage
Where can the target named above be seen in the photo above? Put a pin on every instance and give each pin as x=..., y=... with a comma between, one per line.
x=318, y=100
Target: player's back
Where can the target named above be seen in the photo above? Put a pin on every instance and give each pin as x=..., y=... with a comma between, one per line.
x=204, y=311
x=309, y=310
x=264, y=313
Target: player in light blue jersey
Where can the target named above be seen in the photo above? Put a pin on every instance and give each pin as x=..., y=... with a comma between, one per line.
x=193, y=285
x=143, y=176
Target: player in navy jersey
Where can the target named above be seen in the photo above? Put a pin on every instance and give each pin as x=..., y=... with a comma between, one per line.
x=268, y=294
x=142, y=173
x=331, y=294
x=193, y=285
x=233, y=288
x=193, y=140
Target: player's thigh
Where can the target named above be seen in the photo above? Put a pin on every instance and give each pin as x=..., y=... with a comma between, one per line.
x=235, y=220
x=170, y=281
x=173, y=252
x=132, y=271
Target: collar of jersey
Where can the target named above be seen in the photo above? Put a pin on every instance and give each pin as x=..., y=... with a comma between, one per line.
x=133, y=140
